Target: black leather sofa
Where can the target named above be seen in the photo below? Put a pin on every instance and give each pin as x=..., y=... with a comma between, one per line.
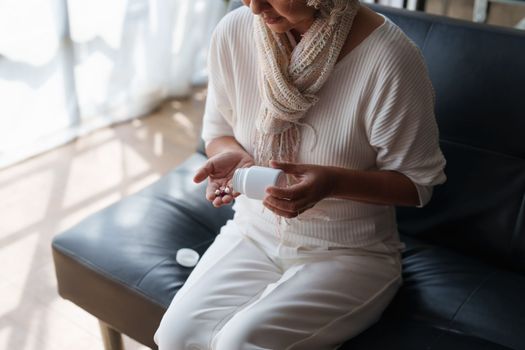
x=464, y=266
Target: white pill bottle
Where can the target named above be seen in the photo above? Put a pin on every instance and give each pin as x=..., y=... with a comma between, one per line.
x=254, y=180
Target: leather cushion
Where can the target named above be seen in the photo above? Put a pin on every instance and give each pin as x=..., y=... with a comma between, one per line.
x=140, y=235
x=477, y=75
x=480, y=107
x=479, y=210
x=119, y=263
x=132, y=244
x=413, y=335
x=449, y=301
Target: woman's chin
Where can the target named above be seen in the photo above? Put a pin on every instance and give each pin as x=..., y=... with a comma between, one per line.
x=278, y=28
x=277, y=25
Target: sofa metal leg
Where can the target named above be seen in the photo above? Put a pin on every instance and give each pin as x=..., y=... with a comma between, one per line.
x=112, y=339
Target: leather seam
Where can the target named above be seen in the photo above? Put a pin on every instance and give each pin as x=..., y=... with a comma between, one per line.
x=448, y=328
x=167, y=258
x=427, y=34
x=519, y=230
x=151, y=269
x=467, y=299
x=479, y=149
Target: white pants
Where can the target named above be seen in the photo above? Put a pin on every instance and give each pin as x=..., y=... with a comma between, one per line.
x=251, y=292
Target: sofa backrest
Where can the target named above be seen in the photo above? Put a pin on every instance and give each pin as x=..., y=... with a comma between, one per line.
x=478, y=73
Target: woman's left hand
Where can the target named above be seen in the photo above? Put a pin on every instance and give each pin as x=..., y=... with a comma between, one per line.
x=314, y=184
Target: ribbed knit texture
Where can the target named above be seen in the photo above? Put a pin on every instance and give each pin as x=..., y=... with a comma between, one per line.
x=290, y=82
x=376, y=111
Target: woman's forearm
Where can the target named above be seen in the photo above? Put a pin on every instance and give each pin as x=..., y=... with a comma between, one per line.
x=377, y=187
x=223, y=144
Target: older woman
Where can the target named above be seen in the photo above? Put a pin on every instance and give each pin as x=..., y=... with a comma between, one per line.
x=339, y=98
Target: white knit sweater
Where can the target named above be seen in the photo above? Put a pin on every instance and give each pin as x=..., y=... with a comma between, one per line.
x=376, y=111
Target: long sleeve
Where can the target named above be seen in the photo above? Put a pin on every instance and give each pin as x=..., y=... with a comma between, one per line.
x=370, y=115
x=218, y=113
x=402, y=127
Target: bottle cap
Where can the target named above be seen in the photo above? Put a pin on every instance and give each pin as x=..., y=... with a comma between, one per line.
x=187, y=257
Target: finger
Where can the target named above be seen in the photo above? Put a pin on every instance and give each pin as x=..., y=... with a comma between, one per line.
x=217, y=202
x=203, y=172
x=289, y=206
x=289, y=168
x=227, y=199
x=210, y=191
x=292, y=192
x=280, y=212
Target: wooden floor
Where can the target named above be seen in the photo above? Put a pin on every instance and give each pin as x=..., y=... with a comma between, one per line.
x=51, y=192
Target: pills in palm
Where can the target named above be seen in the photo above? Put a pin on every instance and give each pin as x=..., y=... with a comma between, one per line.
x=223, y=190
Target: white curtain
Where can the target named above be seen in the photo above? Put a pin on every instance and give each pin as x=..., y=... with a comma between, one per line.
x=68, y=67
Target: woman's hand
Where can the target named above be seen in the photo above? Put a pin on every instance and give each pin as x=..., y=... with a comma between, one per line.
x=220, y=169
x=314, y=184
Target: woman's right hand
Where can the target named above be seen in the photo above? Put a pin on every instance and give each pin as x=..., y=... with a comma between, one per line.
x=219, y=169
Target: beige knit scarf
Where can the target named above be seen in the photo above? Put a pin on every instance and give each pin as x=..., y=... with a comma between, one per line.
x=291, y=77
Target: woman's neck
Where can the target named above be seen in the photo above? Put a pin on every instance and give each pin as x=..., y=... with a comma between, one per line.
x=297, y=35
x=301, y=28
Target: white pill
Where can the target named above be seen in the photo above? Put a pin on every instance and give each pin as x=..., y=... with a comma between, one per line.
x=187, y=257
